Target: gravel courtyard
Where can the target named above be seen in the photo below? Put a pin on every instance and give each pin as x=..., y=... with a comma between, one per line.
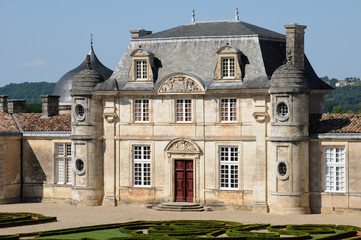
x=71, y=216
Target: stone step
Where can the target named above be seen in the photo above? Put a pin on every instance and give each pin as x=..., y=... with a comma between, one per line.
x=180, y=207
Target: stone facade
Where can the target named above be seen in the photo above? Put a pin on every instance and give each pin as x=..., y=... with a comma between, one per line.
x=10, y=176
x=224, y=113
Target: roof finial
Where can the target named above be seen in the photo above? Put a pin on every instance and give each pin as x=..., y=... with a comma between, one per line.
x=88, y=66
x=193, y=16
x=237, y=17
x=91, y=39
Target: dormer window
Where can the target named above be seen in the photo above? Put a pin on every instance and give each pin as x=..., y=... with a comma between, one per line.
x=228, y=68
x=141, y=70
x=142, y=66
x=229, y=64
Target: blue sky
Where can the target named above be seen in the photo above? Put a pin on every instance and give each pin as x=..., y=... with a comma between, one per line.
x=41, y=40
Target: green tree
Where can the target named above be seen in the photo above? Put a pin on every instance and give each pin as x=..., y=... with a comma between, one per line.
x=33, y=107
x=338, y=109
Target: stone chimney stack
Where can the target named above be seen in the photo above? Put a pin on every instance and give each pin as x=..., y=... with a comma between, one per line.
x=139, y=33
x=50, y=105
x=295, y=50
x=16, y=106
x=3, y=103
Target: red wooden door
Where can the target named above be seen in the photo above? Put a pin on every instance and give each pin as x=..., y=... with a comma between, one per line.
x=183, y=181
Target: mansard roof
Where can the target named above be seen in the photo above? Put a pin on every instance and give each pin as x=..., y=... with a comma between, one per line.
x=33, y=122
x=7, y=124
x=215, y=29
x=193, y=48
x=335, y=123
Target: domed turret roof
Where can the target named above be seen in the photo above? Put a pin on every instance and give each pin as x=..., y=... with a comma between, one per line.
x=288, y=78
x=85, y=80
x=63, y=86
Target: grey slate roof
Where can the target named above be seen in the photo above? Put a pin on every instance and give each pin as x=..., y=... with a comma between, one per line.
x=192, y=48
x=215, y=28
x=63, y=86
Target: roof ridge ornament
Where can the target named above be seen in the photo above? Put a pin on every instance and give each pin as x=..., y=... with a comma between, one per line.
x=88, y=62
x=237, y=17
x=91, y=51
x=193, y=16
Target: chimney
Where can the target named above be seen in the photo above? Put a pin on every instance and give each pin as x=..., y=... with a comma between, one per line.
x=3, y=103
x=139, y=33
x=16, y=106
x=295, y=50
x=50, y=105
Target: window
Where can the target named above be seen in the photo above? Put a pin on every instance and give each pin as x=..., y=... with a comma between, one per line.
x=229, y=64
x=141, y=161
x=184, y=110
x=79, y=112
x=334, y=169
x=227, y=67
x=282, y=109
x=228, y=110
x=79, y=166
x=141, y=110
x=63, y=163
x=142, y=66
x=141, y=69
x=228, y=168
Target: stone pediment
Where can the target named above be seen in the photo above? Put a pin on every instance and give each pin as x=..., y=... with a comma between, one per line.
x=182, y=145
x=180, y=84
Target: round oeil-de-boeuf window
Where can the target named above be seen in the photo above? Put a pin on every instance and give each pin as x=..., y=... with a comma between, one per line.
x=79, y=111
x=282, y=110
x=79, y=166
x=282, y=170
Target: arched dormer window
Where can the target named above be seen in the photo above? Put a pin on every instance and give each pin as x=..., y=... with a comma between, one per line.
x=229, y=64
x=142, y=66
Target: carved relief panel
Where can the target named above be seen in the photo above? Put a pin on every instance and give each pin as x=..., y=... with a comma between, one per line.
x=180, y=84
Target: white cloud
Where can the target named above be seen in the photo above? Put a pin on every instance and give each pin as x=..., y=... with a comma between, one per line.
x=35, y=63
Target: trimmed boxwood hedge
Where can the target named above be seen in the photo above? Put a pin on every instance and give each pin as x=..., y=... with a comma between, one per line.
x=21, y=219
x=199, y=229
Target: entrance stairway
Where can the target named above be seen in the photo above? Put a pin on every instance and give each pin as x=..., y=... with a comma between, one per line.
x=179, y=207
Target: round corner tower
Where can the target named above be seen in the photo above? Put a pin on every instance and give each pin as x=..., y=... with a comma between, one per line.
x=289, y=159
x=87, y=144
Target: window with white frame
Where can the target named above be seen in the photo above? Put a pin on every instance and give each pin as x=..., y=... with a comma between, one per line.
x=141, y=163
x=184, y=110
x=228, y=68
x=141, y=69
x=228, y=157
x=141, y=110
x=334, y=169
x=228, y=110
x=63, y=163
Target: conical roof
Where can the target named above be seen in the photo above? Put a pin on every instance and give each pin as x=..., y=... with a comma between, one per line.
x=64, y=84
x=288, y=78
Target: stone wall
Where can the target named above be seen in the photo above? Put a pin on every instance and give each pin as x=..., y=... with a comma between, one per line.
x=10, y=166
x=348, y=201
x=39, y=171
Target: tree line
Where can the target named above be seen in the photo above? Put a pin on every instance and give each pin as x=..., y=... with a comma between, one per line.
x=29, y=91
